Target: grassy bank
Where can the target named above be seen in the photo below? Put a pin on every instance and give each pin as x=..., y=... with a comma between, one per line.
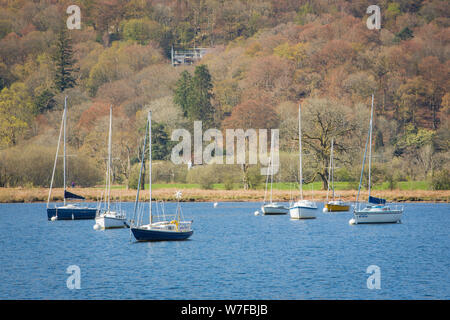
x=193, y=193
x=401, y=185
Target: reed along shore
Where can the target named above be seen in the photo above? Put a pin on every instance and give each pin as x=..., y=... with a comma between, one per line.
x=27, y=195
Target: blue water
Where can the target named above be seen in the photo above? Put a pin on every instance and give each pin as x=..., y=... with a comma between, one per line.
x=233, y=254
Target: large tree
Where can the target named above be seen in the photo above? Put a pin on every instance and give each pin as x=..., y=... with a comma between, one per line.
x=182, y=91
x=64, y=61
x=323, y=120
x=16, y=113
x=194, y=95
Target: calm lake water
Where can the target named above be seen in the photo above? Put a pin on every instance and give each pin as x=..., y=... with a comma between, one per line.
x=233, y=254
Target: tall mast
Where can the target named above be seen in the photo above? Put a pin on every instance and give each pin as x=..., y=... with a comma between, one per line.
x=271, y=164
x=362, y=167
x=136, y=215
x=150, y=162
x=56, y=158
x=370, y=143
x=109, y=157
x=332, y=167
x=64, y=162
x=329, y=173
x=300, y=150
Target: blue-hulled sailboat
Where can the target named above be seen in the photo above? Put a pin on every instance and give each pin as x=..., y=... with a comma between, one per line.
x=67, y=211
x=163, y=228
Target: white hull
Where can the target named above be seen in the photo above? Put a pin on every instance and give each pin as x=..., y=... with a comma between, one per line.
x=303, y=209
x=274, y=208
x=169, y=226
x=302, y=213
x=384, y=215
x=111, y=222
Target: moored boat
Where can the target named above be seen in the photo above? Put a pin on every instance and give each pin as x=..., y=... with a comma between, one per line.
x=302, y=209
x=335, y=205
x=66, y=211
x=376, y=211
x=165, y=229
x=107, y=218
x=272, y=208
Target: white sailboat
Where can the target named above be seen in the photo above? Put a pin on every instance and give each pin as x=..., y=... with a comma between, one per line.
x=272, y=208
x=107, y=218
x=335, y=204
x=68, y=211
x=164, y=228
x=376, y=211
x=302, y=209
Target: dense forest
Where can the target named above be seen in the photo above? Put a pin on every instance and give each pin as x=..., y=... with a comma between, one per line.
x=264, y=58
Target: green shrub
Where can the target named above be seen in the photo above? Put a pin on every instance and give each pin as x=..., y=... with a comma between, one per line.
x=441, y=180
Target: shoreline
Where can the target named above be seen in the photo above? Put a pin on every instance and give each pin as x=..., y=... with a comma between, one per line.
x=31, y=195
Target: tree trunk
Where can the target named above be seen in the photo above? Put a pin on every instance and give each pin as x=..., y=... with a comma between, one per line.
x=245, y=176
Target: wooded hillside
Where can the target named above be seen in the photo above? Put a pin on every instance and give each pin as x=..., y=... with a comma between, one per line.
x=265, y=57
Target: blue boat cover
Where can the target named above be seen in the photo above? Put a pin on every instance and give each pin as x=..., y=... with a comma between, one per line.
x=70, y=195
x=377, y=200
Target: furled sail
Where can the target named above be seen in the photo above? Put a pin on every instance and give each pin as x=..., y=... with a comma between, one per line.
x=376, y=200
x=70, y=195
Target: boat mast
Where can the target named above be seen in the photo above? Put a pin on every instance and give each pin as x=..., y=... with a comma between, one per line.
x=136, y=216
x=332, y=167
x=364, y=157
x=150, y=162
x=329, y=172
x=267, y=181
x=300, y=150
x=64, y=162
x=109, y=158
x=56, y=158
x=370, y=143
x=272, y=141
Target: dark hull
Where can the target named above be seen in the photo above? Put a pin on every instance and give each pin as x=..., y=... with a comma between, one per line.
x=71, y=213
x=274, y=213
x=152, y=235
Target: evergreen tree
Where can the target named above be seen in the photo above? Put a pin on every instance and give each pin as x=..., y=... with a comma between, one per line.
x=182, y=91
x=200, y=106
x=194, y=94
x=161, y=144
x=64, y=61
x=44, y=101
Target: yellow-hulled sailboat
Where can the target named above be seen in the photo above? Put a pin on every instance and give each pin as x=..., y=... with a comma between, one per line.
x=335, y=205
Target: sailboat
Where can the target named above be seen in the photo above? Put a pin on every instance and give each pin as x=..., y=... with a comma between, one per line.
x=107, y=218
x=164, y=229
x=334, y=205
x=376, y=211
x=302, y=209
x=67, y=211
x=272, y=208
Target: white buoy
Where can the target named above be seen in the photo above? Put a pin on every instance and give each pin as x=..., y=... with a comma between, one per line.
x=352, y=221
x=215, y=204
x=256, y=213
x=96, y=226
x=54, y=218
x=325, y=209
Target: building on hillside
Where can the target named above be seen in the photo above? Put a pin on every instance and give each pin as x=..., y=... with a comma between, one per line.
x=187, y=56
